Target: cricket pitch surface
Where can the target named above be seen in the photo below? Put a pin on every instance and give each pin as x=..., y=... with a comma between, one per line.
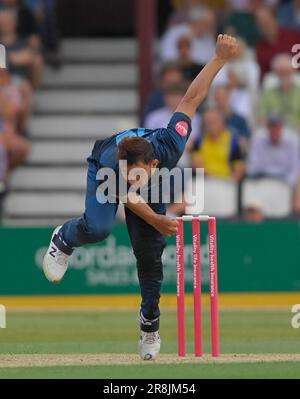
x=50, y=360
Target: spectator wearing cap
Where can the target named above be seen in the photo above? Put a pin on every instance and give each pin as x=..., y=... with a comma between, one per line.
x=275, y=39
x=217, y=150
x=274, y=152
x=161, y=117
x=170, y=74
x=201, y=26
x=284, y=95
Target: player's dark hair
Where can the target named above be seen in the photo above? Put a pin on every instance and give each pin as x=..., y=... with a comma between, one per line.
x=135, y=150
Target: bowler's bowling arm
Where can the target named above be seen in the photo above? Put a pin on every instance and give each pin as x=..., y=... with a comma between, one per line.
x=226, y=49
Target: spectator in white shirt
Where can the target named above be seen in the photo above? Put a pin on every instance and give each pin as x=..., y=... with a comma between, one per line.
x=282, y=73
x=243, y=79
x=201, y=28
x=244, y=75
x=274, y=152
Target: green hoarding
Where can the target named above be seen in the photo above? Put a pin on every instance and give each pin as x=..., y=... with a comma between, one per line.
x=264, y=257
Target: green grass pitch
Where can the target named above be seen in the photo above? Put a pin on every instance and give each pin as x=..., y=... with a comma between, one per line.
x=116, y=332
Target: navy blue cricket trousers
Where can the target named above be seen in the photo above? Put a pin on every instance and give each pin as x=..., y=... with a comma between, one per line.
x=148, y=244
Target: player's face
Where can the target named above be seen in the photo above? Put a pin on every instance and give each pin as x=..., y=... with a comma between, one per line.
x=140, y=173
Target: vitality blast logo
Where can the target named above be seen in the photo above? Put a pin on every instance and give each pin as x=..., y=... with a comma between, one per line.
x=296, y=318
x=2, y=316
x=2, y=56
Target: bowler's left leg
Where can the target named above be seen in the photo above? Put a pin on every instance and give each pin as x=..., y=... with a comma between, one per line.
x=148, y=245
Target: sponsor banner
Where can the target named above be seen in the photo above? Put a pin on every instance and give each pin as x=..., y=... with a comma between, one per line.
x=264, y=257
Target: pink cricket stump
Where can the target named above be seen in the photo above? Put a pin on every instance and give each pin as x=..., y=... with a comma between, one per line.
x=213, y=272
x=180, y=288
x=197, y=288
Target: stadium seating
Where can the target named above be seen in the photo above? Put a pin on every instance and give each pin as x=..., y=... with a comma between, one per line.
x=93, y=95
x=50, y=204
x=81, y=127
x=220, y=199
x=91, y=75
x=45, y=178
x=260, y=193
x=86, y=101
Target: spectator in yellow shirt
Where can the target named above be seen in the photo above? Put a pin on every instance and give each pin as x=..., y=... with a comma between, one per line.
x=217, y=151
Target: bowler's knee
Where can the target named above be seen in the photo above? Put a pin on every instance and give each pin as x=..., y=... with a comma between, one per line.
x=96, y=233
x=149, y=262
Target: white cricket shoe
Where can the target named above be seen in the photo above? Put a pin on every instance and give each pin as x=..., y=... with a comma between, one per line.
x=55, y=263
x=149, y=345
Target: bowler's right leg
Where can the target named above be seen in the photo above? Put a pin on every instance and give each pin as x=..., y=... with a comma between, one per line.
x=93, y=226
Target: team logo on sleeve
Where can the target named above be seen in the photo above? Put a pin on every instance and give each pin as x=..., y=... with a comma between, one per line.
x=182, y=128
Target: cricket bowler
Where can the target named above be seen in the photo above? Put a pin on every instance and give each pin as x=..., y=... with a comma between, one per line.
x=146, y=222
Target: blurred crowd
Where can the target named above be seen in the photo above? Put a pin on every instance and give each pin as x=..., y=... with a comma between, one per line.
x=28, y=32
x=250, y=124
